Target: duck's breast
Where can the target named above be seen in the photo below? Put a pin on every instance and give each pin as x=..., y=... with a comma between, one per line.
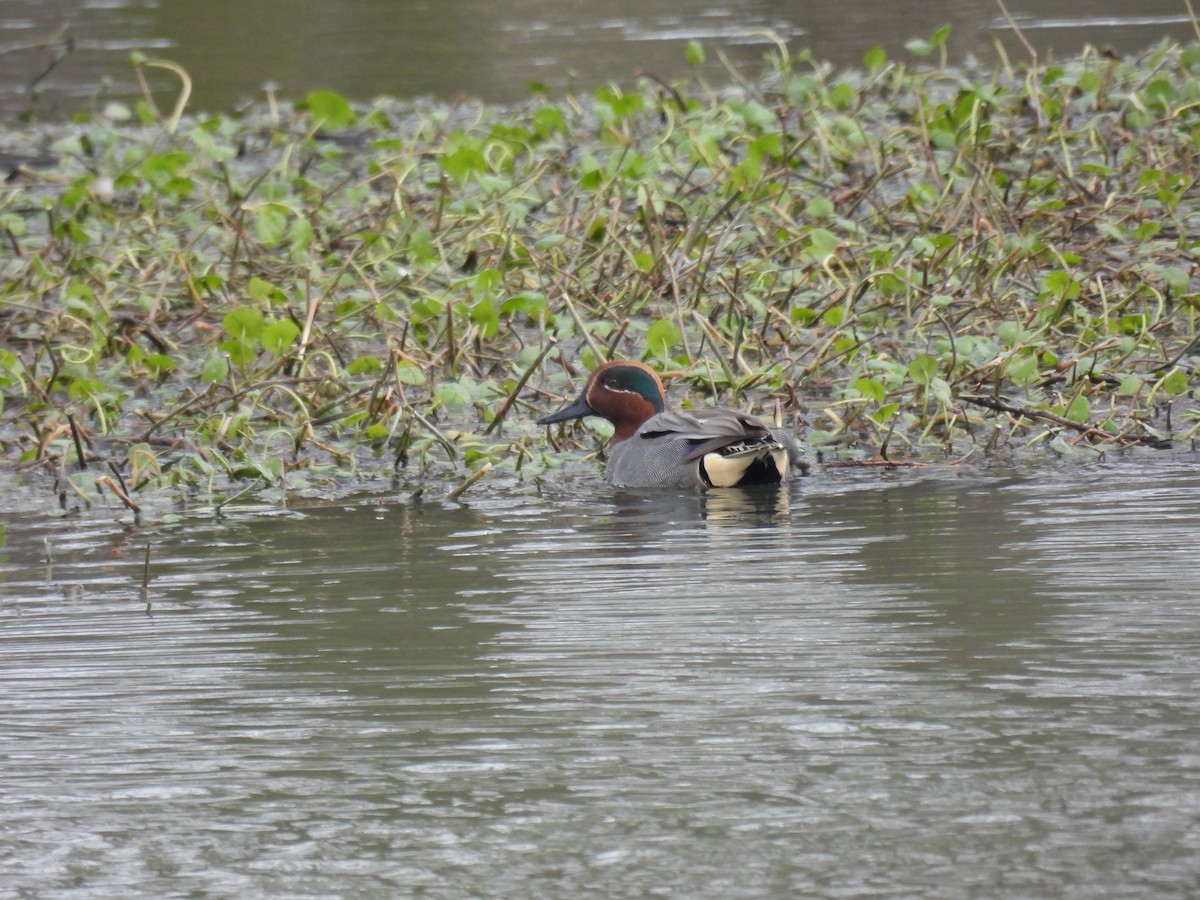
x=655, y=462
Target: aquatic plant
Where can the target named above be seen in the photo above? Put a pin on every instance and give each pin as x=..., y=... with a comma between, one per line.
x=910, y=262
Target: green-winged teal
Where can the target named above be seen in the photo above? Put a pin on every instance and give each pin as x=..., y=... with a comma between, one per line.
x=658, y=447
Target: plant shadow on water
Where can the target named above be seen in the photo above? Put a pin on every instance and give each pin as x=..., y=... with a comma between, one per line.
x=368, y=598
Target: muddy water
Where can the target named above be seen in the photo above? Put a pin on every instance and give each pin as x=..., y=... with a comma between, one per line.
x=481, y=48
x=864, y=686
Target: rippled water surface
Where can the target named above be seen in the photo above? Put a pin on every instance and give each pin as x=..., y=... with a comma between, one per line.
x=57, y=56
x=864, y=686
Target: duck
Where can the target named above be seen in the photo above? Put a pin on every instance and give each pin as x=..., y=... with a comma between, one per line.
x=654, y=446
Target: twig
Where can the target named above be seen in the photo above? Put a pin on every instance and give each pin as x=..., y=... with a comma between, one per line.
x=470, y=480
x=230, y=397
x=66, y=46
x=894, y=463
x=78, y=443
x=446, y=443
x=1042, y=415
x=517, y=388
x=1192, y=16
x=587, y=334
x=875, y=463
x=185, y=89
x=1033, y=56
x=1017, y=31
x=108, y=482
x=314, y=304
x=666, y=86
x=146, y=577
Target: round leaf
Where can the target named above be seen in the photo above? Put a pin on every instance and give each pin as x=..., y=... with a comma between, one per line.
x=923, y=369
x=244, y=323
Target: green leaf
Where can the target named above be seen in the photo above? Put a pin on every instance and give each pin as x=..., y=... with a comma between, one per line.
x=842, y=95
x=613, y=105
x=215, y=369
x=819, y=208
x=529, y=303
x=821, y=244
x=464, y=157
x=1079, y=410
x=1134, y=323
x=278, y=336
x=451, y=393
x=661, y=337
x=240, y=353
x=940, y=389
x=1060, y=285
x=243, y=324
x=694, y=53
x=162, y=169
x=548, y=120
x=330, y=110
x=1130, y=385
x=1176, y=279
x=271, y=223
x=885, y=412
x=844, y=344
x=488, y=281
x=1176, y=383
x=10, y=371
x=1010, y=333
x=260, y=289
x=407, y=373
x=300, y=234
x=485, y=316
x=1023, y=370
x=159, y=364
x=365, y=365
x=420, y=245
x=923, y=368
x=1146, y=231
x=271, y=468
x=83, y=388
x=870, y=388
x=875, y=59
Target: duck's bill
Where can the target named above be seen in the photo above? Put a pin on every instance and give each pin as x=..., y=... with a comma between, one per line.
x=576, y=410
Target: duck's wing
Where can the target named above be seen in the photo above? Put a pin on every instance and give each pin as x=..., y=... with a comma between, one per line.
x=709, y=429
x=700, y=448
x=726, y=447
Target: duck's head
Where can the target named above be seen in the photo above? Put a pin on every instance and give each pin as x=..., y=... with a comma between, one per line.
x=624, y=391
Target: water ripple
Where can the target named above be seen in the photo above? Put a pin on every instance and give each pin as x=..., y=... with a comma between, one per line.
x=863, y=687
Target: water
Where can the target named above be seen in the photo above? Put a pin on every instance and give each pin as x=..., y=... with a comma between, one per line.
x=869, y=685
x=480, y=48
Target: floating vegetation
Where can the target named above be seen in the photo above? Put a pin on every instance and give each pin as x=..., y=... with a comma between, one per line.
x=911, y=262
